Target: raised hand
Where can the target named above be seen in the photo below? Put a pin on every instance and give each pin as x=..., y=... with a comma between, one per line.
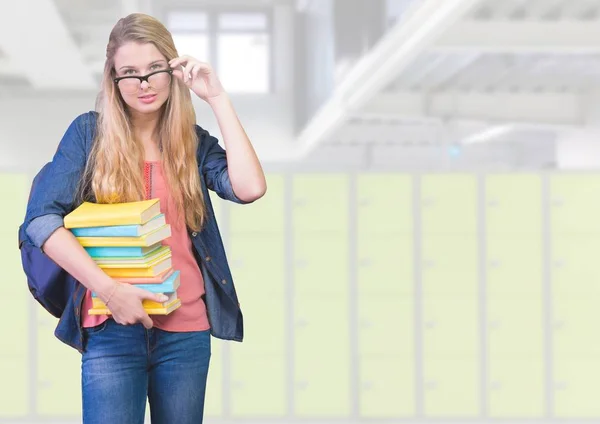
x=197, y=76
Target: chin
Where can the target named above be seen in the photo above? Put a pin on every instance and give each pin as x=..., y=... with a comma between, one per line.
x=146, y=108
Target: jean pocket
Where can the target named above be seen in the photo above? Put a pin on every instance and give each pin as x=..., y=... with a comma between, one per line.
x=96, y=329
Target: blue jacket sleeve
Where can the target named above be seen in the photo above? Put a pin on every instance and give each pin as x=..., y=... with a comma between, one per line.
x=214, y=167
x=42, y=227
x=54, y=191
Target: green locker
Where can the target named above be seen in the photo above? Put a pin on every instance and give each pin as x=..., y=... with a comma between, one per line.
x=513, y=205
x=450, y=326
x=577, y=383
x=575, y=267
x=515, y=327
x=385, y=265
x=213, y=402
x=15, y=331
x=321, y=325
x=322, y=386
x=449, y=265
x=321, y=355
x=264, y=324
x=59, y=381
x=258, y=385
x=576, y=319
x=14, y=189
x=320, y=204
x=14, y=389
x=449, y=204
x=257, y=264
x=514, y=266
x=452, y=387
x=387, y=386
x=386, y=325
x=516, y=387
x=385, y=204
x=321, y=264
x=58, y=372
x=266, y=216
x=575, y=203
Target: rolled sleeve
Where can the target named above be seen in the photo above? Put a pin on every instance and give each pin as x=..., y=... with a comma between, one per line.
x=214, y=168
x=42, y=227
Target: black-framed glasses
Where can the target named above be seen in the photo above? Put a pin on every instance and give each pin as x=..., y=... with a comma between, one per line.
x=158, y=80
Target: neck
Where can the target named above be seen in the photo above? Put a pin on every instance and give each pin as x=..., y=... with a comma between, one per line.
x=145, y=126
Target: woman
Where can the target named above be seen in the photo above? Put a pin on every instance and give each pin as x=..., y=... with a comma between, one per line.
x=143, y=143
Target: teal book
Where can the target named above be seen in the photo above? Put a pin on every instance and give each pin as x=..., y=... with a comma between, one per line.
x=121, y=252
x=170, y=285
x=121, y=230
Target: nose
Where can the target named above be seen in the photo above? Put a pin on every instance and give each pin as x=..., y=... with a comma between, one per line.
x=144, y=86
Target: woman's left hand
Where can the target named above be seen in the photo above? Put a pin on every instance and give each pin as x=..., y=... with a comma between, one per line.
x=197, y=76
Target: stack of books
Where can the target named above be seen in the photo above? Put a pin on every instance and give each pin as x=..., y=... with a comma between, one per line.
x=125, y=240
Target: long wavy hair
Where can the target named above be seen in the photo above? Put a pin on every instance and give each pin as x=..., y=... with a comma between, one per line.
x=114, y=172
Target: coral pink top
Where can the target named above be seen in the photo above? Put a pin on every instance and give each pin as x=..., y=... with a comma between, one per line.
x=191, y=315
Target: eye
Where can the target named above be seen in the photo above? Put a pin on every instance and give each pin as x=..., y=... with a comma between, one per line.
x=155, y=67
x=128, y=72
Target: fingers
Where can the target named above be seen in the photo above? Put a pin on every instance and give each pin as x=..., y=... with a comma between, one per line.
x=178, y=61
x=187, y=72
x=194, y=71
x=146, y=321
x=157, y=297
x=192, y=68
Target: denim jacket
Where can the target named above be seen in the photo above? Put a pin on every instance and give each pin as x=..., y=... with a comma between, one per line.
x=54, y=197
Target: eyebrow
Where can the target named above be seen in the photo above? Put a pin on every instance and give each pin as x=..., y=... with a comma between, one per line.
x=151, y=63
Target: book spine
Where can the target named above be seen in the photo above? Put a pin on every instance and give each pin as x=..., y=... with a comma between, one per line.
x=112, y=252
x=117, y=231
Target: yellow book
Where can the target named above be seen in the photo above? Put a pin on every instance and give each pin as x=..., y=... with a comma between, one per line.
x=146, y=240
x=105, y=214
x=146, y=303
x=149, y=271
x=166, y=310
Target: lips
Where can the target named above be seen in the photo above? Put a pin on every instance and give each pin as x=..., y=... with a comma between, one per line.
x=148, y=98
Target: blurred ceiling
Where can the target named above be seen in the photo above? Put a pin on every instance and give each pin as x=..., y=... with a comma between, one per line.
x=447, y=71
x=469, y=71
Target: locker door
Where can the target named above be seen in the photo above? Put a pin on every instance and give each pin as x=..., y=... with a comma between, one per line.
x=14, y=349
x=59, y=373
x=213, y=402
x=575, y=204
x=321, y=356
x=451, y=387
x=387, y=386
x=516, y=387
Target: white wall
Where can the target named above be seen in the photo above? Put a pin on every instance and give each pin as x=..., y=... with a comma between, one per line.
x=32, y=123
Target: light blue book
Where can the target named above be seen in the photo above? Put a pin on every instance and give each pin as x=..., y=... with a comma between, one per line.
x=136, y=252
x=121, y=230
x=170, y=285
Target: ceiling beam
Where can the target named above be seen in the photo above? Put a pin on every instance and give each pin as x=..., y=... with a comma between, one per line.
x=419, y=28
x=521, y=37
x=37, y=42
x=543, y=109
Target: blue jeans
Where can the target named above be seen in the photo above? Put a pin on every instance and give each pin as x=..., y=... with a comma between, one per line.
x=123, y=365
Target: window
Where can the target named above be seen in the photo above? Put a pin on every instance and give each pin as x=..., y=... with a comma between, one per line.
x=244, y=62
x=237, y=44
x=195, y=45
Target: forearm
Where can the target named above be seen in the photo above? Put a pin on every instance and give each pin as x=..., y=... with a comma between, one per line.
x=64, y=249
x=244, y=168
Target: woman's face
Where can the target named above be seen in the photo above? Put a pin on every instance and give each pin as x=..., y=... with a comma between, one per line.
x=134, y=59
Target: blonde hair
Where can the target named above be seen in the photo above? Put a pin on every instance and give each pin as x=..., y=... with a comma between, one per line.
x=114, y=172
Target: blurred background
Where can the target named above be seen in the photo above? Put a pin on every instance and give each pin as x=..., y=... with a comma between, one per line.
x=428, y=249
